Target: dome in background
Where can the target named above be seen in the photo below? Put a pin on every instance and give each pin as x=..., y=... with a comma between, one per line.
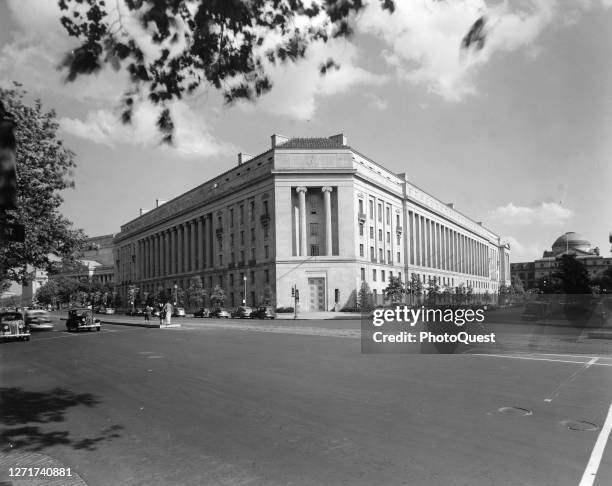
x=571, y=241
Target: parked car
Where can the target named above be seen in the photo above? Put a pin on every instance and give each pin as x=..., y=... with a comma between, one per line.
x=202, y=312
x=220, y=312
x=178, y=312
x=108, y=311
x=38, y=320
x=263, y=312
x=13, y=326
x=242, y=312
x=81, y=319
x=136, y=311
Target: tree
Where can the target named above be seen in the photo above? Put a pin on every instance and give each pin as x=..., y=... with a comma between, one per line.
x=573, y=275
x=365, y=300
x=415, y=286
x=195, y=292
x=217, y=297
x=395, y=290
x=47, y=293
x=434, y=290
x=44, y=168
x=180, y=46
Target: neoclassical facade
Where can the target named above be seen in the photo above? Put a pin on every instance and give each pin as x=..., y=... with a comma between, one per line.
x=312, y=213
x=540, y=272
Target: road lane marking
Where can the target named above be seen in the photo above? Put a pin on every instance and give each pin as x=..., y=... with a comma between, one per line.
x=571, y=378
x=590, y=473
x=533, y=358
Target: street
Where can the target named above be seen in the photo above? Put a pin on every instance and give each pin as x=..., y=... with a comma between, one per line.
x=250, y=403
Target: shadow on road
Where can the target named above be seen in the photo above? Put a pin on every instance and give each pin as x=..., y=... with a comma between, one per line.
x=21, y=410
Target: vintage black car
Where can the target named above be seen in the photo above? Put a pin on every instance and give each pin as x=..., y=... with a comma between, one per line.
x=202, y=312
x=263, y=312
x=82, y=319
x=13, y=326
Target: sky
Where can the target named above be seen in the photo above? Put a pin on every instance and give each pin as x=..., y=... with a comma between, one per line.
x=518, y=135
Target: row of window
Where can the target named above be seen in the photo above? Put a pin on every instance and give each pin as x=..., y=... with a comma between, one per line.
x=381, y=255
x=387, y=212
x=241, y=213
x=242, y=255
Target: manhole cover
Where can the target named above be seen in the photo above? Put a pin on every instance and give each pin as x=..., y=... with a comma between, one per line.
x=579, y=425
x=516, y=411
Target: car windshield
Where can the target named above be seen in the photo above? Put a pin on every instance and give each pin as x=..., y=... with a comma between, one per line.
x=13, y=316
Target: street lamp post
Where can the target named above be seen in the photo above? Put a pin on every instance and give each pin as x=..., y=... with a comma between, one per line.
x=244, y=279
x=175, y=294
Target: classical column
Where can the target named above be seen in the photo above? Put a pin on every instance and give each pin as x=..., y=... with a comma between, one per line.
x=155, y=256
x=303, y=237
x=192, y=265
x=328, y=219
x=200, y=251
x=296, y=222
x=185, y=247
x=173, y=250
x=211, y=242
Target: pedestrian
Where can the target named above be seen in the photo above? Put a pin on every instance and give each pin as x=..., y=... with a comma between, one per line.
x=161, y=313
x=147, y=312
x=168, y=312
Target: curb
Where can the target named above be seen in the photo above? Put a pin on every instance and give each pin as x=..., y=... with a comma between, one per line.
x=600, y=335
x=131, y=324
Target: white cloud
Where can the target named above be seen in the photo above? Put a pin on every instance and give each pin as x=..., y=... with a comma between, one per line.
x=423, y=38
x=520, y=252
x=547, y=213
x=103, y=126
x=297, y=88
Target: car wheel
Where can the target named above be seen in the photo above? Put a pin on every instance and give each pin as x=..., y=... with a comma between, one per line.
x=27, y=338
x=98, y=329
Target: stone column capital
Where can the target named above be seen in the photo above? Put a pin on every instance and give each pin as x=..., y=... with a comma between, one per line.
x=301, y=189
x=327, y=189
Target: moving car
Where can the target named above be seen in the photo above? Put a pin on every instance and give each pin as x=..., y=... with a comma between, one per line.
x=12, y=326
x=38, y=320
x=202, y=312
x=220, y=313
x=82, y=319
x=178, y=312
x=136, y=311
x=242, y=312
x=263, y=312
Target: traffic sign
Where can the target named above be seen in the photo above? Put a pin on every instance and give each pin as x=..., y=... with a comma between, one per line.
x=12, y=232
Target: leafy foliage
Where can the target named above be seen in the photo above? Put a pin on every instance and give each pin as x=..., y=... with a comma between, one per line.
x=44, y=168
x=217, y=297
x=224, y=44
x=196, y=293
x=395, y=289
x=573, y=275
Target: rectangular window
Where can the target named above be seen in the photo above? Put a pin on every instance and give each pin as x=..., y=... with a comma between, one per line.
x=371, y=209
x=252, y=234
x=267, y=251
x=379, y=235
x=360, y=230
x=374, y=275
x=266, y=232
x=388, y=216
x=231, y=279
x=398, y=257
x=362, y=274
x=267, y=275
x=232, y=258
x=382, y=275
x=398, y=240
x=231, y=218
x=232, y=239
x=252, y=253
x=265, y=208
x=242, y=214
x=388, y=256
x=241, y=256
x=388, y=237
x=397, y=221
x=252, y=277
x=252, y=210
x=380, y=255
x=361, y=250
x=380, y=213
x=372, y=256
x=314, y=250
x=372, y=232
x=361, y=206
x=242, y=237
x=219, y=222
x=314, y=229
x=220, y=259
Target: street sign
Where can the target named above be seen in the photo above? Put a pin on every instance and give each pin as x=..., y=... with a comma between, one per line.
x=12, y=232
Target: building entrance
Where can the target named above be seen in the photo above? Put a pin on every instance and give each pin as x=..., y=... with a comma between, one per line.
x=316, y=294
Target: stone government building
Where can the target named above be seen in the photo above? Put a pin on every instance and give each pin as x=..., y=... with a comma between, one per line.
x=535, y=273
x=310, y=212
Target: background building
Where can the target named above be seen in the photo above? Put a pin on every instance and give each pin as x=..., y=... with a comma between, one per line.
x=536, y=273
x=310, y=212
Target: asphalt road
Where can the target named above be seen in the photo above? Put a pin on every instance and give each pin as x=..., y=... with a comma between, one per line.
x=250, y=403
